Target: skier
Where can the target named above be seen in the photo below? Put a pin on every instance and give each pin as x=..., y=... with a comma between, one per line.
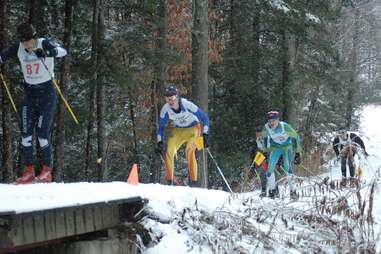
x=35, y=55
x=186, y=117
x=259, y=147
x=280, y=143
x=346, y=145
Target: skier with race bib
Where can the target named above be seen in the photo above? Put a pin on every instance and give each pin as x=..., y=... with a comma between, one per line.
x=346, y=144
x=280, y=144
x=189, y=122
x=36, y=57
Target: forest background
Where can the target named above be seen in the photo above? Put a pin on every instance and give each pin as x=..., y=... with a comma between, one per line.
x=315, y=61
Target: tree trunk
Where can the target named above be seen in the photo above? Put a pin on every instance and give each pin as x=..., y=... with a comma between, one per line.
x=6, y=173
x=200, y=35
x=352, y=84
x=285, y=82
x=100, y=97
x=94, y=78
x=65, y=73
x=157, y=87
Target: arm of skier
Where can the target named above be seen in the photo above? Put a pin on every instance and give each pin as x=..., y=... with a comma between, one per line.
x=293, y=134
x=335, y=144
x=360, y=142
x=53, y=49
x=163, y=120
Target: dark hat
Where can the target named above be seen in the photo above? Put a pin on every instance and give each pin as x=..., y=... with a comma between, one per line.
x=170, y=91
x=342, y=130
x=26, y=32
x=272, y=115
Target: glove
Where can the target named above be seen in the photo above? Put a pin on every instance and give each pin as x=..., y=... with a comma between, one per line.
x=50, y=48
x=366, y=154
x=297, y=159
x=205, y=137
x=159, y=147
x=39, y=52
x=51, y=52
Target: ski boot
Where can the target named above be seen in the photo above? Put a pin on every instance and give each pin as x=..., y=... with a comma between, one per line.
x=27, y=177
x=353, y=182
x=192, y=183
x=263, y=194
x=343, y=182
x=293, y=195
x=45, y=176
x=273, y=194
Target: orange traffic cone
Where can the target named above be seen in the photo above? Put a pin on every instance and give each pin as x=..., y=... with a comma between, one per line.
x=133, y=178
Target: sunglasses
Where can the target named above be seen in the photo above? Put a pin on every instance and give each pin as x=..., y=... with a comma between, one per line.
x=171, y=98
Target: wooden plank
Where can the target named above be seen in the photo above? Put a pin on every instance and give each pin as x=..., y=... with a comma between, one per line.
x=28, y=229
x=5, y=240
x=69, y=222
x=116, y=213
x=60, y=223
x=17, y=230
x=98, y=220
x=79, y=221
x=88, y=218
x=39, y=228
x=50, y=225
x=108, y=220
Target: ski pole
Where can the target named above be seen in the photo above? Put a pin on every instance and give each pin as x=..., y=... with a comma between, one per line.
x=219, y=170
x=8, y=92
x=60, y=93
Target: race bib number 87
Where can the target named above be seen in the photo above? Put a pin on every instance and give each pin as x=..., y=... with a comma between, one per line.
x=32, y=68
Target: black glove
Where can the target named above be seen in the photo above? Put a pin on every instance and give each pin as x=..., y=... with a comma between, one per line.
x=366, y=154
x=159, y=147
x=50, y=48
x=40, y=53
x=297, y=159
x=205, y=137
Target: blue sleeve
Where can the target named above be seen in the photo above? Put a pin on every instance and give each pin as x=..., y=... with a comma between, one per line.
x=162, y=123
x=203, y=118
x=9, y=53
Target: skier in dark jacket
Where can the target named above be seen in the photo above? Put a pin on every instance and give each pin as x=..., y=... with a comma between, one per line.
x=258, y=149
x=346, y=145
x=36, y=57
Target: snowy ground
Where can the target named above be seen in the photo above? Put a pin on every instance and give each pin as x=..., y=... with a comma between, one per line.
x=192, y=220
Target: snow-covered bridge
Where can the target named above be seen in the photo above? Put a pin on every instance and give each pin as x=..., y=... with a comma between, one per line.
x=46, y=214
